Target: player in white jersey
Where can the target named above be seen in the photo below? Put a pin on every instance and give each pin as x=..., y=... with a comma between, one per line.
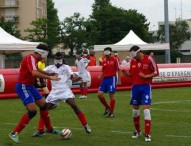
x=82, y=64
x=61, y=92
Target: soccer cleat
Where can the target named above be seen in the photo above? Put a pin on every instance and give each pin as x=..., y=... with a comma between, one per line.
x=39, y=133
x=136, y=134
x=81, y=97
x=54, y=131
x=88, y=129
x=147, y=138
x=85, y=96
x=110, y=115
x=14, y=137
x=107, y=110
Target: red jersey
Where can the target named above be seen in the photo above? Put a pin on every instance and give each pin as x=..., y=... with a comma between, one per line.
x=28, y=64
x=118, y=59
x=109, y=66
x=146, y=66
x=92, y=60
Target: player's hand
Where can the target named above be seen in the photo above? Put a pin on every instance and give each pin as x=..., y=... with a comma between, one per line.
x=119, y=82
x=53, y=74
x=38, y=83
x=100, y=76
x=142, y=75
x=55, y=78
x=124, y=71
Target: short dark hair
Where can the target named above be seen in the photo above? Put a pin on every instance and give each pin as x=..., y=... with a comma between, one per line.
x=58, y=55
x=108, y=48
x=134, y=48
x=43, y=47
x=115, y=51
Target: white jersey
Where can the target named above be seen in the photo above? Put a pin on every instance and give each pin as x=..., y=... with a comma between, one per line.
x=82, y=64
x=124, y=62
x=64, y=72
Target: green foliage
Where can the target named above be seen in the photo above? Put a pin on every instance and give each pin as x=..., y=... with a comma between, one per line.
x=114, y=23
x=38, y=33
x=170, y=121
x=179, y=33
x=10, y=27
x=73, y=32
x=46, y=30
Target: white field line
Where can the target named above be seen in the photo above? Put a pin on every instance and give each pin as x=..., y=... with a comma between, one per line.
x=120, y=132
x=176, y=101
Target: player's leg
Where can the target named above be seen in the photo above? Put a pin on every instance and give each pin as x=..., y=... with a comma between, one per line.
x=135, y=102
x=85, y=89
x=146, y=101
x=136, y=121
x=25, y=93
x=111, y=88
x=79, y=113
x=102, y=99
x=45, y=117
x=81, y=91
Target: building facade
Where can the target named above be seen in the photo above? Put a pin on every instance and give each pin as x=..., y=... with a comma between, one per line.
x=23, y=12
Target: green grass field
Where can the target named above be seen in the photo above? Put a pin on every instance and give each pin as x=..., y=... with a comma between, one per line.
x=170, y=112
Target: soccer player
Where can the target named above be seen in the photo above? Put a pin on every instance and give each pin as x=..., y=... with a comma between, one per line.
x=61, y=92
x=40, y=82
x=116, y=56
x=142, y=69
x=109, y=68
x=92, y=58
x=29, y=94
x=82, y=64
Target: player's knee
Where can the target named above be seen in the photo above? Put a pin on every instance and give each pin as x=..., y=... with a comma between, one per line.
x=31, y=113
x=44, y=107
x=147, y=114
x=136, y=113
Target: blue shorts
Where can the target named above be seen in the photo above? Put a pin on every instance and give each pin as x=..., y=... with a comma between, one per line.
x=108, y=85
x=28, y=94
x=141, y=95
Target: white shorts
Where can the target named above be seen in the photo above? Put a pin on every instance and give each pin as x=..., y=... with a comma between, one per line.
x=85, y=76
x=56, y=96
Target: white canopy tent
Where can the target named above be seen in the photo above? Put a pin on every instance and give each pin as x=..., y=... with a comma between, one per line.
x=10, y=44
x=130, y=40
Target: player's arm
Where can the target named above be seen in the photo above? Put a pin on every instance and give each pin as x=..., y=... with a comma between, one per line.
x=154, y=67
x=44, y=76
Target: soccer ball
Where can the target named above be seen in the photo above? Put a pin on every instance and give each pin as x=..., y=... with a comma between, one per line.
x=66, y=134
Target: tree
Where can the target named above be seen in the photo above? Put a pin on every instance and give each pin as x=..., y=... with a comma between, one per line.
x=73, y=32
x=179, y=33
x=46, y=30
x=10, y=27
x=114, y=23
x=39, y=31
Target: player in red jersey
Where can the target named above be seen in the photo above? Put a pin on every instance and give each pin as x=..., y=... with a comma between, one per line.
x=142, y=69
x=116, y=56
x=92, y=58
x=29, y=94
x=109, y=68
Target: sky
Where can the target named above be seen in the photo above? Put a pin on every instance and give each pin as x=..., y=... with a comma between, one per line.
x=153, y=10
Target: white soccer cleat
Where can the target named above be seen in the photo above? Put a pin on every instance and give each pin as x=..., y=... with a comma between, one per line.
x=136, y=134
x=147, y=138
x=81, y=97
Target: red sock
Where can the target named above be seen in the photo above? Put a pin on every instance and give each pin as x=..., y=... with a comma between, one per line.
x=46, y=118
x=104, y=102
x=81, y=91
x=147, y=127
x=85, y=91
x=112, y=105
x=41, y=124
x=82, y=118
x=136, y=121
x=21, y=125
